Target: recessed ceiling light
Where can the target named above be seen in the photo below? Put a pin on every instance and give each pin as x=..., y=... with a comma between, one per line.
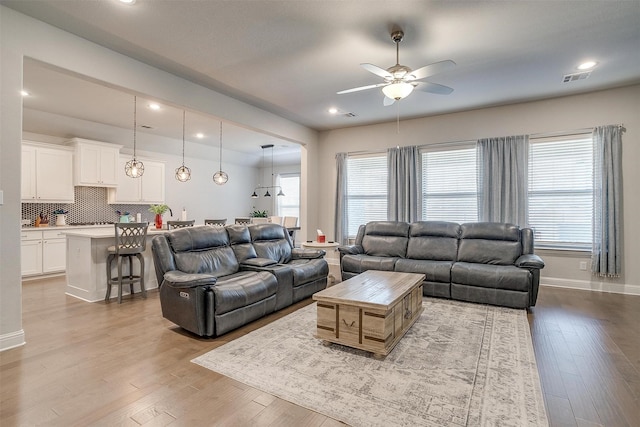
x=333, y=110
x=24, y=93
x=200, y=135
x=129, y=2
x=587, y=65
x=154, y=107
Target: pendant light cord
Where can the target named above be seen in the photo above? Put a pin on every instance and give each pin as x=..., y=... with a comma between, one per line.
x=220, y=157
x=135, y=124
x=183, y=119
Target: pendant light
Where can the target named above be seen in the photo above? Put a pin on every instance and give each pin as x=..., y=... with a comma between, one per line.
x=183, y=173
x=134, y=168
x=220, y=177
x=267, y=187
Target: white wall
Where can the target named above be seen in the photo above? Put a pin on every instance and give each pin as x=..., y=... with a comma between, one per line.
x=22, y=36
x=621, y=105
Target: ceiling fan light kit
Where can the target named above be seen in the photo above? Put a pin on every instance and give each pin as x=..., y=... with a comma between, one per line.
x=400, y=80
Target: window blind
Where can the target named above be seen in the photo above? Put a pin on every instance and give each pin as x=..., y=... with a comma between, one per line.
x=449, y=189
x=289, y=204
x=561, y=191
x=366, y=190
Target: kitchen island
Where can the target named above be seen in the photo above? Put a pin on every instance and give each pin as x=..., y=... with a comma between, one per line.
x=87, y=263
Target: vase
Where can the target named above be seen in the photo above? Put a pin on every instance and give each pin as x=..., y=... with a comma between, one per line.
x=61, y=219
x=158, y=221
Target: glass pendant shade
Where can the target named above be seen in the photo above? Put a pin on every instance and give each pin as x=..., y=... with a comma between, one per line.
x=134, y=168
x=220, y=177
x=183, y=173
x=397, y=90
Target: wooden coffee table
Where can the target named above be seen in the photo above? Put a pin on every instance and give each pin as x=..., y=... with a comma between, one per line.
x=370, y=311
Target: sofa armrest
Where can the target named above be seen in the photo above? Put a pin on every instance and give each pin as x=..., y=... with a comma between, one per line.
x=307, y=253
x=529, y=261
x=258, y=262
x=180, y=279
x=350, y=250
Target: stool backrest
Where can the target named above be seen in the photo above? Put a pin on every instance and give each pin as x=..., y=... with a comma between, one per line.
x=216, y=222
x=131, y=238
x=243, y=220
x=171, y=225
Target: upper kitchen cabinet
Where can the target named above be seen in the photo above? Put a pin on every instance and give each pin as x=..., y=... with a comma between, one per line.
x=96, y=163
x=147, y=189
x=46, y=174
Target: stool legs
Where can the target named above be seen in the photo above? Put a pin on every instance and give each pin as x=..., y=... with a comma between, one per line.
x=130, y=277
x=109, y=260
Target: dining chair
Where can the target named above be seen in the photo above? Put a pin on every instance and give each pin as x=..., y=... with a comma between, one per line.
x=259, y=220
x=275, y=220
x=243, y=220
x=172, y=225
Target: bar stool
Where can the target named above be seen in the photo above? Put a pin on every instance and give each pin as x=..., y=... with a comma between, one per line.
x=216, y=222
x=172, y=225
x=131, y=240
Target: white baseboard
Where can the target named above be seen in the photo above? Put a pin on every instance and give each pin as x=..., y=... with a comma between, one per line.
x=591, y=285
x=12, y=340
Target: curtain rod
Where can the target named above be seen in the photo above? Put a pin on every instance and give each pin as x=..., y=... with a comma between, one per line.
x=532, y=135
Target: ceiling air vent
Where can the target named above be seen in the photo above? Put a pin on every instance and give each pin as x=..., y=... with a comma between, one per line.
x=146, y=126
x=576, y=76
x=349, y=115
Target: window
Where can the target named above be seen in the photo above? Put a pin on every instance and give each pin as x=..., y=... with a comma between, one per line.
x=289, y=204
x=366, y=190
x=449, y=189
x=561, y=191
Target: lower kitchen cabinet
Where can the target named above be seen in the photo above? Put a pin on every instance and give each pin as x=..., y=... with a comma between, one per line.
x=43, y=252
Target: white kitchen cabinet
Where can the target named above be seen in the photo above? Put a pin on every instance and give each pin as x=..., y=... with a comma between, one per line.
x=147, y=189
x=54, y=251
x=46, y=174
x=96, y=163
x=31, y=252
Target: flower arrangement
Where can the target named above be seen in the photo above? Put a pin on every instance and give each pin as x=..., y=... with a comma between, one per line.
x=60, y=212
x=258, y=214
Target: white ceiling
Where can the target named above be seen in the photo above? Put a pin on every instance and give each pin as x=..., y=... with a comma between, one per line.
x=291, y=57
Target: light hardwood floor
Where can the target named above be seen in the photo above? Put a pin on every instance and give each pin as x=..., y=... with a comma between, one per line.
x=110, y=364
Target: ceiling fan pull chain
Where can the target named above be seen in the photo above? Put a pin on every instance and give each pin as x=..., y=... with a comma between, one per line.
x=398, y=118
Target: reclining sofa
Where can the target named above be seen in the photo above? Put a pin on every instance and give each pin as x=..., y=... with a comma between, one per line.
x=216, y=279
x=490, y=263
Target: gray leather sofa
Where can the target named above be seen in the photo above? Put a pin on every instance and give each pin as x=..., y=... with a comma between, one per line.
x=491, y=263
x=216, y=279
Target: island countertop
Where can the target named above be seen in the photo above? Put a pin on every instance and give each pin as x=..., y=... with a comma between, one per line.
x=101, y=233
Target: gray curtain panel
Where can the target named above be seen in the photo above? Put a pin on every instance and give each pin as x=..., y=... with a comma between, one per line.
x=503, y=179
x=403, y=193
x=341, y=223
x=606, y=255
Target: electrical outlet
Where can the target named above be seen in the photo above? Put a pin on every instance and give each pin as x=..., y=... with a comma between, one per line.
x=583, y=265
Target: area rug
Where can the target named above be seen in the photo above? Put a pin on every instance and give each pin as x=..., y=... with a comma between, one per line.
x=460, y=364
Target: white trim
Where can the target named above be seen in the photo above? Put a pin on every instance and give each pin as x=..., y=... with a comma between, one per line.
x=12, y=340
x=594, y=285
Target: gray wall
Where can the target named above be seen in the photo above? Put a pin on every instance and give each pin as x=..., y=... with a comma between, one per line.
x=621, y=105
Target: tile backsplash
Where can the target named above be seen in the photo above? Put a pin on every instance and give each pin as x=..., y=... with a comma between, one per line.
x=90, y=206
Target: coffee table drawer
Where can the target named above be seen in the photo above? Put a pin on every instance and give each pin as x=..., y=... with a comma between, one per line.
x=348, y=325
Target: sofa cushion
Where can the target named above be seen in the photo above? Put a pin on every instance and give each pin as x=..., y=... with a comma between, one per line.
x=243, y=289
x=435, y=271
x=220, y=261
x=433, y=240
x=197, y=238
x=362, y=263
x=308, y=270
x=269, y=241
x=489, y=243
x=386, y=238
x=240, y=240
x=491, y=276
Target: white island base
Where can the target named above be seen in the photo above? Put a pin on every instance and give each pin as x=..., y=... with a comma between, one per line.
x=87, y=264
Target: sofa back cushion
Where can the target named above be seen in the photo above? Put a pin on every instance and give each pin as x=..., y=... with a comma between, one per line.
x=489, y=243
x=240, y=240
x=433, y=240
x=271, y=241
x=202, y=249
x=386, y=238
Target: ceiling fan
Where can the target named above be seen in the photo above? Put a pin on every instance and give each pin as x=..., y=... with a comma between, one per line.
x=400, y=80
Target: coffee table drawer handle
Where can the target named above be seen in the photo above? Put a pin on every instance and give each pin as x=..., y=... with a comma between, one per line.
x=349, y=325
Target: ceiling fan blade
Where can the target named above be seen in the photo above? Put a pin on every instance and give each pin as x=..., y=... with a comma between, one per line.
x=431, y=69
x=377, y=70
x=388, y=101
x=356, y=89
x=433, y=88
